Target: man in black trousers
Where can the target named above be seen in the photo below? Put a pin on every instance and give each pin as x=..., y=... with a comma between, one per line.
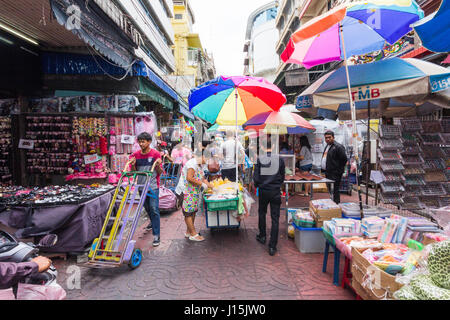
x=334, y=160
x=268, y=177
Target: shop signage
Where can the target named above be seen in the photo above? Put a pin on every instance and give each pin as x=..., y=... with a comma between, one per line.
x=26, y=144
x=127, y=139
x=296, y=78
x=304, y=102
x=91, y=158
x=440, y=82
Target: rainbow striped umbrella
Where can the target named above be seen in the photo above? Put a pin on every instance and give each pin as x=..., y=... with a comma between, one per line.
x=234, y=100
x=279, y=122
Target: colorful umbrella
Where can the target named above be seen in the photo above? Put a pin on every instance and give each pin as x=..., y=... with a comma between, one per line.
x=365, y=26
x=279, y=122
x=433, y=29
x=408, y=79
x=233, y=100
x=227, y=100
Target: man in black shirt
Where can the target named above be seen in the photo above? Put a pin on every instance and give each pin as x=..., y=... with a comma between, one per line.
x=269, y=177
x=334, y=160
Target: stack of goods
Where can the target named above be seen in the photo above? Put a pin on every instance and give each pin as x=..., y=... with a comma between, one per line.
x=91, y=148
x=121, y=140
x=302, y=218
x=361, y=243
x=52, y=144
x=51, y=195
x=324, y=210
x=342, y=226
x=352, y=210
x=392, y=259
x=5, y=151
x=434, y=237
x=372, y=226
x=391, y=164
x=393, y=230
x=224, y=187
x=432, y=281
x=417, y=226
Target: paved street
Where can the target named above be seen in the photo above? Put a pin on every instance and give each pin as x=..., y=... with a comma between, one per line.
x=229, y=264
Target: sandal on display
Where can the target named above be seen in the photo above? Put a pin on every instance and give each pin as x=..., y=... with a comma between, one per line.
x=197, y=237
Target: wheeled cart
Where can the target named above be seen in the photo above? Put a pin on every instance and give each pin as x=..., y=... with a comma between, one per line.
x=219, y=213
x=115, y=245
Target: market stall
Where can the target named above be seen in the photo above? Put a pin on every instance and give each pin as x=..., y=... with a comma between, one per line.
x=74, y=213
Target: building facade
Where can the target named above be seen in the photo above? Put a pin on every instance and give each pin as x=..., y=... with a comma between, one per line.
x=261, y=38
x=292, y=14
x=193, y=64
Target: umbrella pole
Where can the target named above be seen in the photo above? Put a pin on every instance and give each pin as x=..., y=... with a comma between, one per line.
x=235, y=143
x=353, y=113
x=369, y=154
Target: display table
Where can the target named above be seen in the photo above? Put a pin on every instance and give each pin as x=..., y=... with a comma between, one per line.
x=76, y=225
x=287, y=182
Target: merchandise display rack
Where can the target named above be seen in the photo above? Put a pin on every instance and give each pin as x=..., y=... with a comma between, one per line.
x=5, y=150
x=424, y=155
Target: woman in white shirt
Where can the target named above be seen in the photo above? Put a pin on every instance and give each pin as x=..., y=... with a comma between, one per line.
x=305, y=157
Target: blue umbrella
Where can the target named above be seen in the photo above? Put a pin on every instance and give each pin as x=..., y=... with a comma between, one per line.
x=433, y=30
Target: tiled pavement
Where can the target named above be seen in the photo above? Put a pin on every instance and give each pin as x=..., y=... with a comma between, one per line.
x=229, y=264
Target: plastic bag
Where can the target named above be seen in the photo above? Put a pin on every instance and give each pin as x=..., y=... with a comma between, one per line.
x=28, y=291
x=248, y=199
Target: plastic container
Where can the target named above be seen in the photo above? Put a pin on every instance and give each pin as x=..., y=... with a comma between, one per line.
x=222, y=205
x=309, y=240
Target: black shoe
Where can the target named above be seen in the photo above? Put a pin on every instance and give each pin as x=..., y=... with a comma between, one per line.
x=149, y=227
x=260, y=239
x=272, y=251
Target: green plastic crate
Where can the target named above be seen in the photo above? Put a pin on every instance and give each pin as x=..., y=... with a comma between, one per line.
x=221, y=205
x=328, y=236
x=304, y=224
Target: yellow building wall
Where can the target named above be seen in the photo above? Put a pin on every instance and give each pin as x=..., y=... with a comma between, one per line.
x=181, y=31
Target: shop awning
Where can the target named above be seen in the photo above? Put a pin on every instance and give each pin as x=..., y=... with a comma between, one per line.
x=193, y=41
x=185, y=111
x=70, y=93
x=151, y=93
x=105, y=77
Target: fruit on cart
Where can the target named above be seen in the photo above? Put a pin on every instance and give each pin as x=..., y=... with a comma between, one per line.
x=439, y=264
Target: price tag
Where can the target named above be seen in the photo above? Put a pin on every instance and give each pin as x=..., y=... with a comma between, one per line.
x=26, y=144
x=126, y=139
x=91, y=158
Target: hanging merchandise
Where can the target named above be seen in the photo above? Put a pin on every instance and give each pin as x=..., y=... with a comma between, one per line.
x=121, y=138
x=5, y=151
x=145, y=122
x=52, y=144
x=89, y=158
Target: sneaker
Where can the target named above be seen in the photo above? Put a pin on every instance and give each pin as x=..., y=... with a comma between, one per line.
x=149, y=227
x=156, y=241
x=272, y=251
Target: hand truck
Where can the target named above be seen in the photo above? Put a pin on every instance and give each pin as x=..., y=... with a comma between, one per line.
x=115, y=247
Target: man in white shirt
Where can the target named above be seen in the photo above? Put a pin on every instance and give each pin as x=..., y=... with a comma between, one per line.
x=228, y=149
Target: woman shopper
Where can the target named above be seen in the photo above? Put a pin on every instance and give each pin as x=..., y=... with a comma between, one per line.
x=305, y=157
x=194, y=183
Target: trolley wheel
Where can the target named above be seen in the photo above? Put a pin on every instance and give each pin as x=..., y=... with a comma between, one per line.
x=136, y=259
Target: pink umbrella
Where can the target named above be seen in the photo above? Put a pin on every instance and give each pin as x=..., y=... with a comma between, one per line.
x=279, y=122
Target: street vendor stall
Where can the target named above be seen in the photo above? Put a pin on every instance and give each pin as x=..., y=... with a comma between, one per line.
x=74, y=213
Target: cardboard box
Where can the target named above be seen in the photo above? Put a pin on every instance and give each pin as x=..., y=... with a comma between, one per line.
x=324, y=215
x=378, y=284
x=360, y=291
x=427, y=240
x=320, y=187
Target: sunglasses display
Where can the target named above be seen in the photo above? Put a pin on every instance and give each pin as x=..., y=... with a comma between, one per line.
x=51, y=195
